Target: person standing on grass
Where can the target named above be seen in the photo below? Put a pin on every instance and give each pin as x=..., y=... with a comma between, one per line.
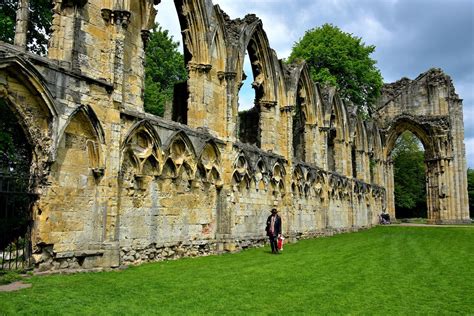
x=273, y=229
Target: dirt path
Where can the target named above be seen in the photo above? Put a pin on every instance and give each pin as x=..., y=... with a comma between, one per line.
x=431, y=225
x=15, y=286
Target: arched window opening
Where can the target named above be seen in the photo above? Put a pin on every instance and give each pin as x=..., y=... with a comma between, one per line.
x=372, y=166
x=354, y=162
x=331, y=144
x=299, y=121
x=15, y=199
x=409, y=177
x=249, y=111
x=166, y=90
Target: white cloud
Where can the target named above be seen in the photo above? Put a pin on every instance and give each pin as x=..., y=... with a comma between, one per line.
x=168, y=19
x=370, y=30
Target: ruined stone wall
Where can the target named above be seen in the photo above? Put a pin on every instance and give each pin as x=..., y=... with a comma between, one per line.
x=429, y=107
x=118, y=186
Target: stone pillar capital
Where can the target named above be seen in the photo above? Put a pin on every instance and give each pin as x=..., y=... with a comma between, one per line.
x=227, y=75
x=266, y=104
x=287, y=109
x=199, y=67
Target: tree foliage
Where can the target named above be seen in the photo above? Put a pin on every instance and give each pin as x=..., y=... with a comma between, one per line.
x=7, y=20
x=163, y=69
x=409, y=177
x=342, y=60
x=15, y=152
x=470, y=191
x=38, y=27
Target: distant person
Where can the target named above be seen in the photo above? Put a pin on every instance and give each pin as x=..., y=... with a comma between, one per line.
x=273, y=229
x=384, y=218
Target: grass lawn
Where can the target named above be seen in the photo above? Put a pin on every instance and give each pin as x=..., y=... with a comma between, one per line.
x=385, y=270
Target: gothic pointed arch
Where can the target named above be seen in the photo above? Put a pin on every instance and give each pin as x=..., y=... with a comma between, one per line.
x=241, y=174
x=142, y=149
x=28, y=75
x=209, y=163
x=255, y=42
x=307, y=113
x=335, y=114
x=298, y=181
x=302, y=93
x=278, y=178
x=218, y=50
x=80, y=158
x=359, y=149
x=242, y=163
x=337, y=131
x=36, y=110
x=195, y=25
x=376, y=155
x=404, y=123
x=93, y=120
x=83, y=126
x=180, y=150
x=261, y=174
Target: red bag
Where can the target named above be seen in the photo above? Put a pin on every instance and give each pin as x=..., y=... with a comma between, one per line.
x=280, y=243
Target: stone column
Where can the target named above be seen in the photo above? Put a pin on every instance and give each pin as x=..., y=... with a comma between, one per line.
x=324, y=147
x=267, y=125
x=287, y=131
x=361, y=165
x=432, y=192
x=458, y=163
x=121, y=20
x=228, y=79
x=311, y=143
x=197, y=100
x=390, y=187
x=340, y=156
x=21, y=29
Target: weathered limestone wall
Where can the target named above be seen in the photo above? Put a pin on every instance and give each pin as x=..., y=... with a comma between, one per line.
x=118, y=186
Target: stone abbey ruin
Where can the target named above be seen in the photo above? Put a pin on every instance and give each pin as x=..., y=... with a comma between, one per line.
x=113, y=185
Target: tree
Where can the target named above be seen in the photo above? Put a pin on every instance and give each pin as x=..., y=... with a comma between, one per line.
x=163, y=69
x=38, y=27
x=409, y=177
x=470, y=191
x=7, y=20
x=15, y=152
x=342, y=60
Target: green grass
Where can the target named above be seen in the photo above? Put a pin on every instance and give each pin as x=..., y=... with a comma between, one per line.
x=7, y=277
x=386, y=270
x=417, y=220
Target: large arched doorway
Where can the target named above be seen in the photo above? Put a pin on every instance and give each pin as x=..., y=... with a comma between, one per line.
x=437, y=159
x=15, y=196
x=408, y=157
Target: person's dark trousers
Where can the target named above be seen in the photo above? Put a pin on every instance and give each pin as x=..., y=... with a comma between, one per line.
x=273, y=243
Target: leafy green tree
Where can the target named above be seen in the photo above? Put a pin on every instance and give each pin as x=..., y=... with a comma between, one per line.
x=409, y=177
x=7, y=20
x=15, y=152
x=342, y=60
x=163, y=69
x=470, y=191
x=38, y=27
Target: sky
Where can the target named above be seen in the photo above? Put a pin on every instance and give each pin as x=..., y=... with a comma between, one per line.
x=410, y=36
